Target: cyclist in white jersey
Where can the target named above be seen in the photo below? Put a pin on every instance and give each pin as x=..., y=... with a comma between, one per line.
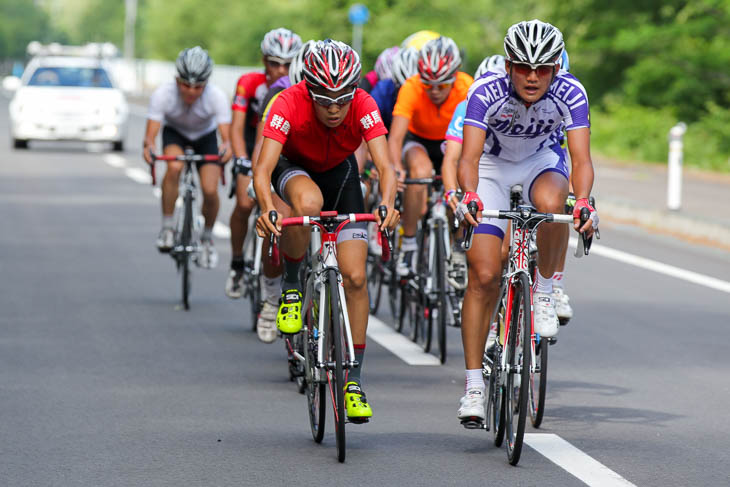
x=513, y=131
x=191, y=111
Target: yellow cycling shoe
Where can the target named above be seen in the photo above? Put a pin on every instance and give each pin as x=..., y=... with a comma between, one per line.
x=289, y=317
x=358, y=409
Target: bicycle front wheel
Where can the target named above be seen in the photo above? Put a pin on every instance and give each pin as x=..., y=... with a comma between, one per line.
x=440, y=275
x=186, y=237
x=518, y=362
x=375, y=281
x=336, y=372
x=254, y=297
x=316, y=388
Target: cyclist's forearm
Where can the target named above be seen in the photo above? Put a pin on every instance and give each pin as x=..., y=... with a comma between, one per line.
x=236, y=134
x=151, y=131
x=448, y=167
x=468, y=170
x=582, y=178
x=270, y=152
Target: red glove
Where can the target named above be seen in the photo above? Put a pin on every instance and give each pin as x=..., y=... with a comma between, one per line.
x=583, y=203
x=470, y=196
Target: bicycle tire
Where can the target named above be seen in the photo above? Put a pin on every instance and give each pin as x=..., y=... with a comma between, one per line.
x=518, y=377
x=496, y=403
x=254, y=298
x=393, y=281
x=337, y=384
x=186, y=241
x=423, y=332
x=441, y=286
x=316, y=390
x=537, y=404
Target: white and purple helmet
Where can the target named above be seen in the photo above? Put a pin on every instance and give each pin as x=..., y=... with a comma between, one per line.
x=533, y=42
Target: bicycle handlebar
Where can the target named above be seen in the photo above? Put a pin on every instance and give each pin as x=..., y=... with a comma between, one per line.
x=186, y=157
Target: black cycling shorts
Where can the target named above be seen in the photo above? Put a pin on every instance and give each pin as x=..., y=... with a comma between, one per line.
x=434, y=148
x=340, y=187
x=207, y=144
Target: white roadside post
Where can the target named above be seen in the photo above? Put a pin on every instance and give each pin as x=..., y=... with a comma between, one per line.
x=358, y=15
x=674, y=173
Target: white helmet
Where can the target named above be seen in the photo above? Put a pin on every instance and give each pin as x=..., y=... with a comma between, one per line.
x=384, y=62
x=405, y=65
x=281, y=43
x=533, y=42
x=492, y=64
x=297, y=64
x=194, y=65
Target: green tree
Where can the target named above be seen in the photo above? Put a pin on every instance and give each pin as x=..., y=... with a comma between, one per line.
x=21, y=23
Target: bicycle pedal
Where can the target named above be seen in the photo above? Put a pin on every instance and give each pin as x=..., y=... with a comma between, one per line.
x=473, y=424
x=358, y=420
x=164, y=251
x=563, y=321
x=552, y=340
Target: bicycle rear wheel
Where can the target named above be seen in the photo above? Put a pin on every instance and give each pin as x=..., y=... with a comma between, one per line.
x=375, y=281
x=423, y=333
x=254, y=297
x=316, y=388
x=496, y=404
x=538, y=382
x=518, y=373
x=336, y=373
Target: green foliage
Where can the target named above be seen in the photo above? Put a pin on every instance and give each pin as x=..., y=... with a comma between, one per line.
x=21, y=21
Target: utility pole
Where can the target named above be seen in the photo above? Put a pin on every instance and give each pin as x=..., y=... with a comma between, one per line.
x=130, y=19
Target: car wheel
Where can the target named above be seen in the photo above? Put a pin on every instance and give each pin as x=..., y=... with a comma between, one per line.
x=20, y=143
x=119, y=146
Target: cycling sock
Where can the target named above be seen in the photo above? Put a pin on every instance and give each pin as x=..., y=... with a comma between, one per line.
x=271, y=288
x=237, y=263
x=543, y=284
x=291, y=272
x=207, y=234
x=474, y=379
x=353, y=375
x=167, y=221
x=558, y=279
x=409, y=243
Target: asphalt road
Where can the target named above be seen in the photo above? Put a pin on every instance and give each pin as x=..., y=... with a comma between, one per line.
x=104, y=381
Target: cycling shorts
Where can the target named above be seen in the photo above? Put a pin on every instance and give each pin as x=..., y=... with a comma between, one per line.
x=340, y=187
x=434, y=149
x=497, y=176
x=207, y=144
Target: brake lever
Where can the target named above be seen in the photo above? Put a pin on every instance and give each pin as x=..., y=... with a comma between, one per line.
x=584, y=244
x=273, y=241
x=473, y=208
x=384, y=234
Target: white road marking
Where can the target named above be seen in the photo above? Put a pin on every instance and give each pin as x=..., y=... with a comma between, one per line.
x=115, y=160
x=574, y=461
x=399, y=345
x=655, y=266
x=138, y=175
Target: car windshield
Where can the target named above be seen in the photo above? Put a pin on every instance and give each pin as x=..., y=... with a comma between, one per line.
x=65, y=76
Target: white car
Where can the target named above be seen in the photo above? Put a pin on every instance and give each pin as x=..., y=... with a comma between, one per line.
x=68, y=98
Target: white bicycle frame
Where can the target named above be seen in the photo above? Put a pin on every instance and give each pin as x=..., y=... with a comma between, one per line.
x=188, y=180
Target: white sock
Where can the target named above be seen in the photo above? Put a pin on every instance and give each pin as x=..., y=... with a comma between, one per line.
x=558, y=279
x=167, y=221
x=409, y=243
x=207, y=234
x=271, y=288
x=474, y=379
x=543, y=284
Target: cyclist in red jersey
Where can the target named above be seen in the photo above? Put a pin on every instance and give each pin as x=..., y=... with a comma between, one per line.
x=311, y=134
x=278, y=47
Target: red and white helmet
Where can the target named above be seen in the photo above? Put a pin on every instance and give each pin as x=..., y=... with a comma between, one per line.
x=281, y=43
x=439, y=60
x=332, y=65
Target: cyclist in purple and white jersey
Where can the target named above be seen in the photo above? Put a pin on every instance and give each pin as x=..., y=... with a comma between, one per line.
x=512, y=135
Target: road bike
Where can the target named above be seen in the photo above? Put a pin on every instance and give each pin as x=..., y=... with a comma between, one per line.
x=326, y=350
x=510, y=362
x=188, y=220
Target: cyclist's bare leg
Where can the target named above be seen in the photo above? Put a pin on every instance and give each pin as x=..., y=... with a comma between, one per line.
x=352, y=255
x=548, y=195
x=564, y=248
x=485, y=272
x=209, y=176
x=306, y=200
x=171, y=181
x=419, y=166
x=240, y=214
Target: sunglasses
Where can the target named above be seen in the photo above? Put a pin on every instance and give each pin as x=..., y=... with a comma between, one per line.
x=273, y=64
x=326, y=101
x=524, y=69
x=439, y=87
x=194, y=86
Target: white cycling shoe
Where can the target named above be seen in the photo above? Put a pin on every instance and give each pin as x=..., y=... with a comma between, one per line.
x=234, y=284
x=472, y=405
x=546, y=320
x=165, y=240
x=562, y=304
x=208, y=258
x=266, y=325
